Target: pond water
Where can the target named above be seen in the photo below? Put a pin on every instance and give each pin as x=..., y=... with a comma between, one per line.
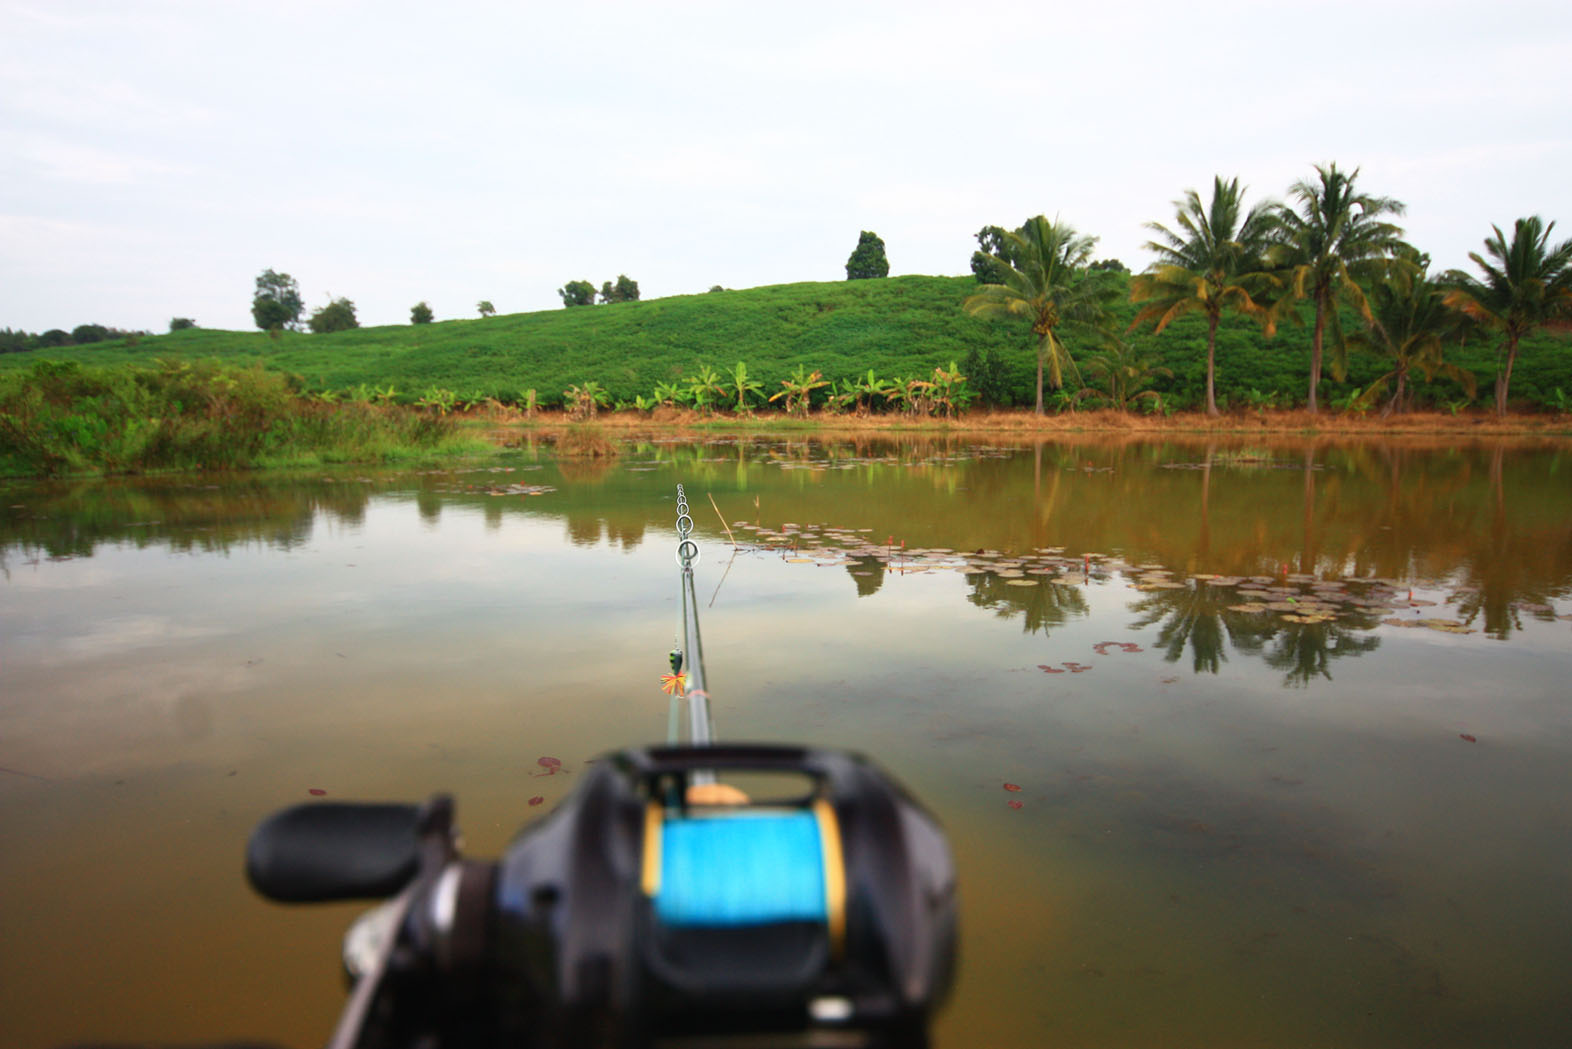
x=1290, y=721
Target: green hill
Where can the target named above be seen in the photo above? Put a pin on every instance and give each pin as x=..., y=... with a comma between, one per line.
x=899, y=326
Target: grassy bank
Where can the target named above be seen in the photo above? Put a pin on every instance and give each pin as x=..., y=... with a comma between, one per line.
x=1022, y=425
x=901, y=327
x=60, y=418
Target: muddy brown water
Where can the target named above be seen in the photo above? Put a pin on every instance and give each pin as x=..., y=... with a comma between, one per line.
x=1291, y=722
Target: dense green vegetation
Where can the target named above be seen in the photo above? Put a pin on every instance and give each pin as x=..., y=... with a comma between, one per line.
x=62, y=418
x=900, y=327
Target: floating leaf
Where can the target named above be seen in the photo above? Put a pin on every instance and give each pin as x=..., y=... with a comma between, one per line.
x=316, y=791
x=1015, y=804
x=1466, y=736
x=1011, y=786
x=1046, y=669
x=536, y=800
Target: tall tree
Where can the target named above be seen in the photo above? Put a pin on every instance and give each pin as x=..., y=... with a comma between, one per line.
x=1333, y=243
x=1212, y=263
x=992, y=262
x=1526, y=286
x=277, y=302
x=867, y=259
x=1410, y=326
x=1047, y=281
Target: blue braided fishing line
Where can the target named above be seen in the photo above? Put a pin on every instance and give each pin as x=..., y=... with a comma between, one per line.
x=742, y=868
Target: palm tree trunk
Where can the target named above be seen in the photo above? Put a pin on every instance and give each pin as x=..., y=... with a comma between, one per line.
x=1504, y=379
x=1396, y=403
x=1315, y=350
x=1211, y=364
x=1041, y=348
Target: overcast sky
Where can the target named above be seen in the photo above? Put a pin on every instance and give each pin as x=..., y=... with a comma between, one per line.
x=156, y=156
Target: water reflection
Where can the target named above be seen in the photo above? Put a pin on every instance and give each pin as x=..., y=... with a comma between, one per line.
x=1483, y=531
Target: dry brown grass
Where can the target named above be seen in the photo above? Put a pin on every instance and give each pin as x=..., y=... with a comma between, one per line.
x=1024, y=424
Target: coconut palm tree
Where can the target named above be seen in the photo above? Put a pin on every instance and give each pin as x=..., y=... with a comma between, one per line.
x=1047, y=282
x=1213, y=262
x=1125, y=374
x=1528, y=285
x=1410, y=326
x=1326, y=250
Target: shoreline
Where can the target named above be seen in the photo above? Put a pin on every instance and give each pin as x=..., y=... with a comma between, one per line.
x=1025, y=425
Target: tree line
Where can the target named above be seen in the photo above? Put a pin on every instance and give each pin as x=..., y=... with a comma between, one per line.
x=19, y=341
x=1330, y=246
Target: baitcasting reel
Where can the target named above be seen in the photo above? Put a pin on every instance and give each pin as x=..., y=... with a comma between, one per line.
x=637, y=913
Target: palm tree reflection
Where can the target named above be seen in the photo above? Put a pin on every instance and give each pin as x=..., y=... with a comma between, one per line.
x=1042, y=607
x=1305, y=650
x=1198, y=617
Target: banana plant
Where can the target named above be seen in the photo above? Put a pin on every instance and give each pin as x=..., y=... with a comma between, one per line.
x=869, y=388
x=910, y=396
x=583, y=401
x=743, y=386
x=704, y=387
x=843, y=396
x=799, y=388
x=948, y=390
x=668, y=394
x=438, y=400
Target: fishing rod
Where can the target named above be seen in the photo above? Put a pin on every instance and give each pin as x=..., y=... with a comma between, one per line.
x=654, y=905
x=690, y=683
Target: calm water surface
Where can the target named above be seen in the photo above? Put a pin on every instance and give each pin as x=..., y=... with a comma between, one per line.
x=1296, y=773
